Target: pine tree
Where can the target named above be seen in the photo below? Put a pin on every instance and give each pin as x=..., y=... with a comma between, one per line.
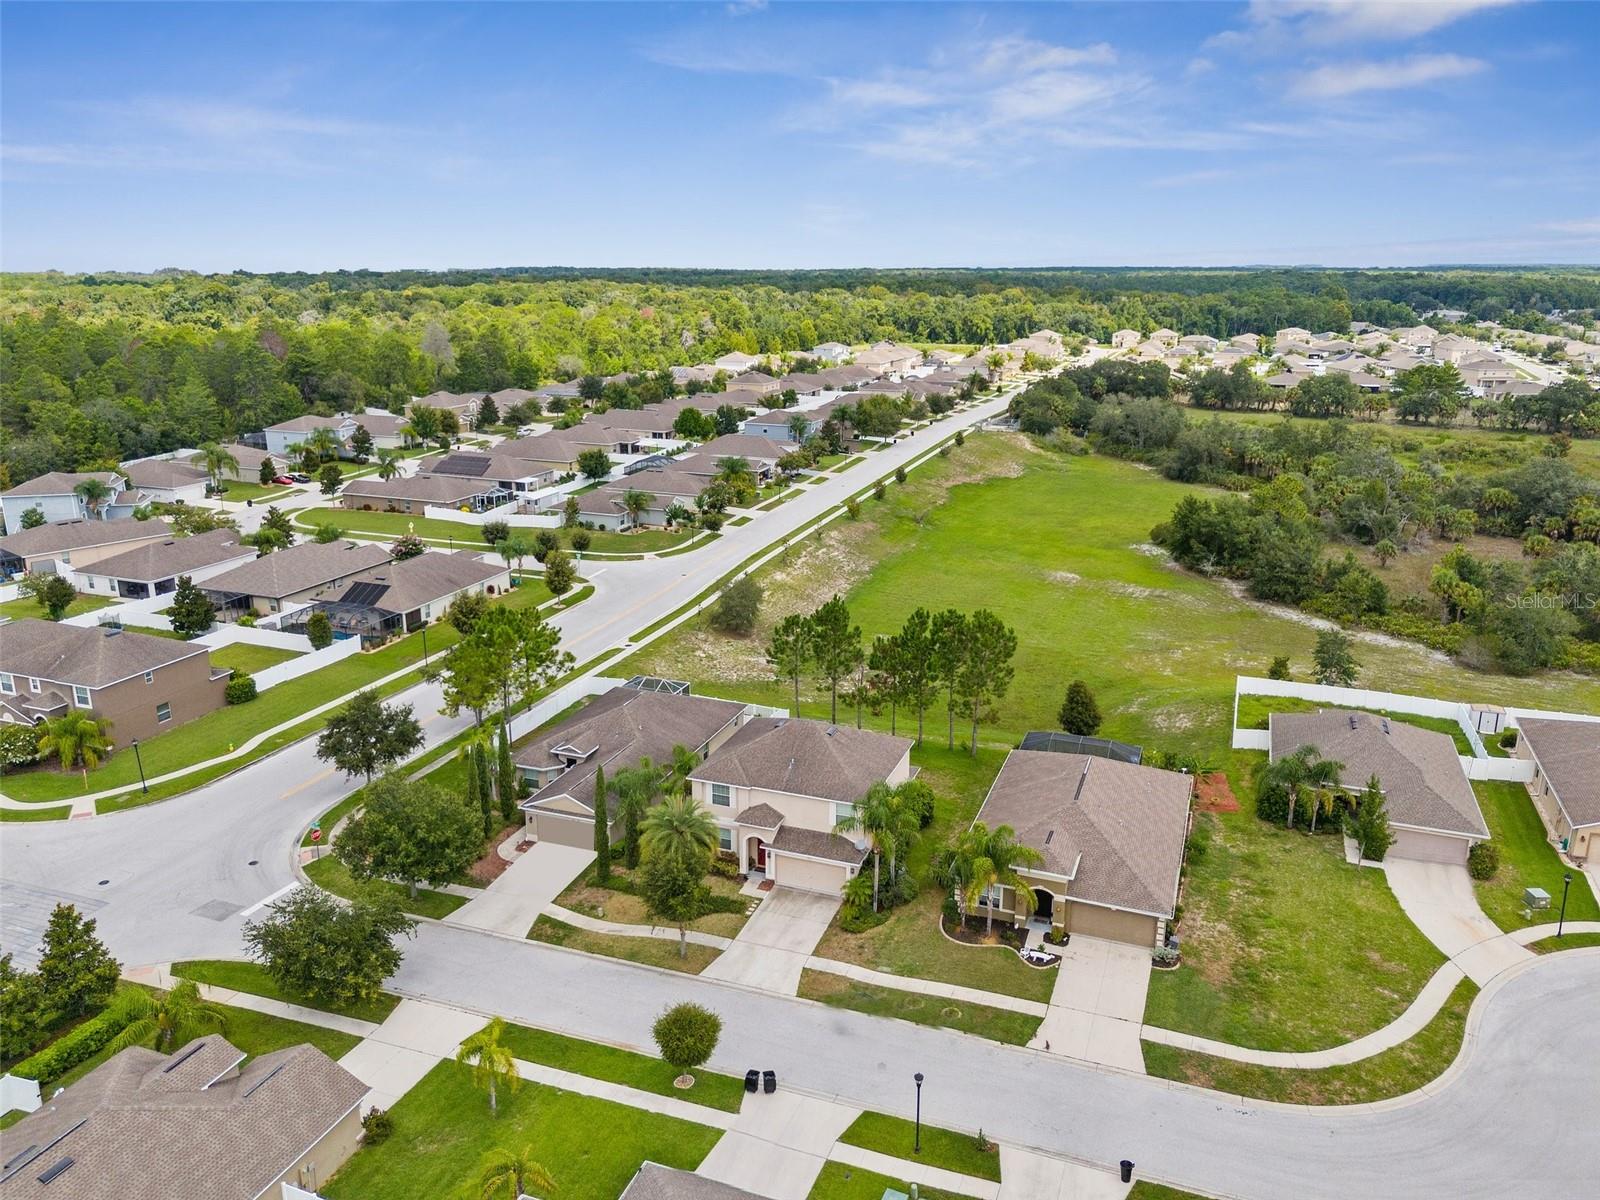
x=191, y=613
x=1079, y=713
x=506, y=784
x=76, y=972
x=602, y=831
x=480, y=768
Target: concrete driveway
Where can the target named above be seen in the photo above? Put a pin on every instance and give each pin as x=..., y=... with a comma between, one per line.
x=406, y=1047
x=778, y=1144
x=772, y=948
x=513, y=902
x=1438, y=898
x=1097, y=1007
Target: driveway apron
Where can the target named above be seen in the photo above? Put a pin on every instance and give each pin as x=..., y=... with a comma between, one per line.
x=772, y=948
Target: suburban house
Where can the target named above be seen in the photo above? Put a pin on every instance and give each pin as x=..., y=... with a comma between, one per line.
x=401, y=596
x=61, y=547
x=888, y=358
x=143, y=685
x=201, y=1121
x=780, y=786
x=284, y=439
x=463, y=404
x=654, y=1182
x=506, y=471
x=1126, y=339
x=845, y=378
x=762, y=453
x=56, y=497
x=249, y=459
x=167, y=481
x=415, y=493
x=1486, y=375
x=834, y=352
x=736, y=362
x=558, y=395
x=755, y=382
x=1046, y=343
x=1566, y=780
x=506, y=397
x=1110, y=835
x=615, y=730
x=558, y=450
x=1432, y=811
x=802, y=383
x=152, y=569
x=384, y=429
x=683, y=376
x=666, y=485
x=287, y=578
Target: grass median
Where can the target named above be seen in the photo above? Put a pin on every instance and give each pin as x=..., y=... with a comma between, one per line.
x=998, y=1024
x=650, y=951
x=616, y=1065
x=252, y=977
x=942, y=1148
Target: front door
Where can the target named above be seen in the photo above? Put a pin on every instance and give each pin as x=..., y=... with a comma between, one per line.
x=761, y=856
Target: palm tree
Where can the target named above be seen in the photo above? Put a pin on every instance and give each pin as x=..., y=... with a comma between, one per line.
x=323, y=443
x=636, y=503
x=872, y=816
x=217, y=460
x=1303, y=772
x=680, y=828
x=388, y=464
x=684, y=761
x=513, y=1175
x=172, y=1018
x=996, y=855
x=77, y=739
x=799, y=426
x=905, y=828
x=492, y=1062
x=94, y=493
x=636, y=789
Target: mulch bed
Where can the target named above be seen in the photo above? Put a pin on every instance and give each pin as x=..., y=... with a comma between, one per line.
x=1213, y=794
x=972, y=934
x=488, y=868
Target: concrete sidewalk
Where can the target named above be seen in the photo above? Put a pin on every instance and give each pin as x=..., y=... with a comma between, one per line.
x=161, y=976
x=667, y=1106
x=772, y=948
x=417, y=1036
x=514, y=901
x=778, y=1144
x=1026, y=1175
x=1097, y=1007
x=907, y=1170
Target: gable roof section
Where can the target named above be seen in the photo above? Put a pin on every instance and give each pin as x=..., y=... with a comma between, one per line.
x=804, y=758
x=62, y=483
x=1569, y=755
x=431, y=489
x=86, y=656
x=285, y=572
x=413, y=582
x=174, y=556
x=77, y=535
x=1423, y=784
x=163, y=473
x=1115, y=829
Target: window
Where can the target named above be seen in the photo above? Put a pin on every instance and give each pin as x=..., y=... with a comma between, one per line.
x=725, y=839
x=80, y=695
x=8, y=685
x=33, y=685
x=149, y=676
x=721, y=795
x=843, y=813
x=163, y=712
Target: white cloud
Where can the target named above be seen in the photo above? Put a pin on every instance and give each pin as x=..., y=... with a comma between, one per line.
x=881, y=93
x=1281, y=24
x=743, y=8
x=1194, y=178
x=1346, y=79
x=1584, y=227
x=1019, y=54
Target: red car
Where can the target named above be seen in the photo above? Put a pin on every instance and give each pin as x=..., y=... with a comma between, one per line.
x=283, y=479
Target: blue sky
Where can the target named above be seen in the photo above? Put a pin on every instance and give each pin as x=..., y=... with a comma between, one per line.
x=302, y=136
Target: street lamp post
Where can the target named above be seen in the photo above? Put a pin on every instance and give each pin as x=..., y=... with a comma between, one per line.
x=1566, y=886
x=145, y=787
x=917, y=1147
x=424, y=643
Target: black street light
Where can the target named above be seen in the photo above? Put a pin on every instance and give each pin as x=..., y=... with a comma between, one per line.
x=424, y=644
x=145, y=787
x=917, y=1148
x=1566, y=886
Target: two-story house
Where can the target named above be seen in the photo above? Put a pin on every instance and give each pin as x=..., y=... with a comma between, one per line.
x=286, y=437
x=780, y=786
x=57, y=498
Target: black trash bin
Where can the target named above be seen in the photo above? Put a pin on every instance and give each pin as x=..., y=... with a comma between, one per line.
x=1127, y=1171
x=769, y=1082
x=752, y=1080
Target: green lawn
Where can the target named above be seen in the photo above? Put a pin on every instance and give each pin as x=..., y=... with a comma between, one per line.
x=443, y=1129
x=1394, y=1072
x=837, y=1181
x=943, y=1148
x=8, y=1119
x=1253, y=712
x=612, y=903
x=240, y=490
x=253, y=978
x=635, y=541
x=1526, y=860
x=247, y=658
x=1567, y=941
x=219, y=731
x=27, y=606
x=616, y=1065
x=653, y=952
x=331, y=875
x=59, y=812
x=392, y=524
x=1000, y=1024
x=1285, y=945
x=1144, y=1190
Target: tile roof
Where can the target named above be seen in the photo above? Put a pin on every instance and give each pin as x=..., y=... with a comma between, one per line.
x=149, y=1126
x=1115, y=829
x=89, y=656
x=817, y=843
x=61, y=483
x=805, y=758
x=1423, y=784
x=174, y=556
x=410, y=583
x=75, y=535
x=285, y=572
x=1569, y=755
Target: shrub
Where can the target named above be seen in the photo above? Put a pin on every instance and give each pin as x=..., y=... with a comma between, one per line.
x=899, y=474
x=918, y=798
x=581, y=540
x=1483, y=860
x=241, y=689
x=319, y=630
x=961, y=438
x=686, y=1034
x=879, y=491
x=78, y=1046
x=738, y=607
x=1279, y=668
x=1508, y=740
x=19, y=745
x=376, y=1127
x=852, y=506
x=725, y=865
x=248, y=621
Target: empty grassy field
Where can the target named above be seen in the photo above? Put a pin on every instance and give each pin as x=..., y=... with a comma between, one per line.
x=250, y=659
x=27, y=606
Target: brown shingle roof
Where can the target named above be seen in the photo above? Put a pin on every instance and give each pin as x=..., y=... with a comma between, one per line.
x=174, y=556
x=62, y=483
x=89, y=657
x=308, y=422
x=148, y=1126
x=1423, y=784
x=1569, y=755
x=75, y=535
x=805, y=758
x=430, y=489
x=1115, y=829
x=817, y=843
x=762, y=816
x=655, y=1182
x=162, y=473
x=413, y=582
x=285, y=572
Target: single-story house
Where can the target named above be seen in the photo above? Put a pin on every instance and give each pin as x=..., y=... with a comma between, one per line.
x=142, y=684
x=167, y=481
x=615, y=730
x=559, y=449
x=683, y=376
x=844, y=378
x=383, y=428
x=506, y=397
x=1110, y=835
x=402, y=596
x=762, y=453
x=506, y=471
x=153, y=569
x=654, y=1182
x=1250, y=343
x=1432, y=810
x=667, y=485
x=756, y=382
x=780, y=786
x=736, y=362
x=249, y=459
x=1566, y=779
x=286, y=437
x=415, y=493
x=60, y=547
x=55, y=496
x=802, y=383
x=561, y=394
x=290, y=577
x=201, y=1121
x=834, y=352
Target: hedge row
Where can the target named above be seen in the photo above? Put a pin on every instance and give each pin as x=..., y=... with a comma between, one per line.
x=80, y=1045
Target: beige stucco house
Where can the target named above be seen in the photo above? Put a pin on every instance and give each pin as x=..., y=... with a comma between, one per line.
x=1566, y=780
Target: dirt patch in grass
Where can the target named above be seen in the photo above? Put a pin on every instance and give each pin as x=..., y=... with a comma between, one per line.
x=1213, y=793
x=491, y=866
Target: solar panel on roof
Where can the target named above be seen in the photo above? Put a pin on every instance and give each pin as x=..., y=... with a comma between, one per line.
x=461, y=464
x=365, y=595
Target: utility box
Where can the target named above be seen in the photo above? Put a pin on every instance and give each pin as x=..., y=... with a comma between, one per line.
x=1535, y=898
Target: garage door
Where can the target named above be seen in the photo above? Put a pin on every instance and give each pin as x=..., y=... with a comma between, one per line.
x=1093, y=921
x=564, y=831
x=808, y=875
x=1428, y=847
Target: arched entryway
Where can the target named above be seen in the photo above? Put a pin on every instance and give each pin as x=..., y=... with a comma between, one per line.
x=1044, y=906
x=755, y=853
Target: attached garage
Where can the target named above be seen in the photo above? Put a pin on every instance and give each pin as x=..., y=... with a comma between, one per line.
x=564, y=821
x=808, y=874
x=1424, y=846
x=1114, y=925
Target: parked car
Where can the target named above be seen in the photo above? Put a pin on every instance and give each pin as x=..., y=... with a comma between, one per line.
x=284, y=480
x=298, y=477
